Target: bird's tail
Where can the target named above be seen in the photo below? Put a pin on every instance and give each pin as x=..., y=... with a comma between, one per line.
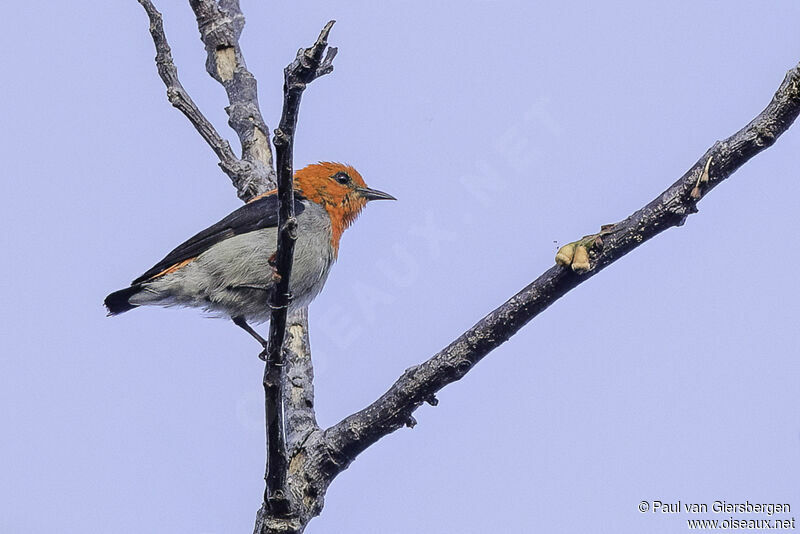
x=117, y=302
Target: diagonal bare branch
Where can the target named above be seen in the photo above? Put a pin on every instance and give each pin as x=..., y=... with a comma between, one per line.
x=221, y=23
x=178, y=97
x=345, y=440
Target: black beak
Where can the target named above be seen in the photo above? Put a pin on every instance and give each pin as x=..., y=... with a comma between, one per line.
x=374, y=194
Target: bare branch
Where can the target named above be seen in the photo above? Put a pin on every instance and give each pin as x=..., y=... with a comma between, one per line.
x=298, y=395
x=221, y=23
x=345, y=440
x=308, y=66
x=301, y=423
x=178, y=97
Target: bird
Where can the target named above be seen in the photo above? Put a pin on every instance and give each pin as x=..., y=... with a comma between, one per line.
x=228, y=268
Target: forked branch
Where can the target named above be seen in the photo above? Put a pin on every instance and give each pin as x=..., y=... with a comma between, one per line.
x=220, y=24
x=179, y=97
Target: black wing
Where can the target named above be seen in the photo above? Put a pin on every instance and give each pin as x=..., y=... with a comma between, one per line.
x=260, y=213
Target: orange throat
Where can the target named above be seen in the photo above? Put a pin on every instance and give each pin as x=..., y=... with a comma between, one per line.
x=342, y=216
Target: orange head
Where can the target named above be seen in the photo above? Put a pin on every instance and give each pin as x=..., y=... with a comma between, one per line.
x=339, y=189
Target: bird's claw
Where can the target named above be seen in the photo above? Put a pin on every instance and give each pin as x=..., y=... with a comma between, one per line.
x=264, y=357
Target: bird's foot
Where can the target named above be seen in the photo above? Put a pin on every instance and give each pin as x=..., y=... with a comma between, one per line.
x=575, y=255
x=264, y=357
x=289, y=298
x=242, y=323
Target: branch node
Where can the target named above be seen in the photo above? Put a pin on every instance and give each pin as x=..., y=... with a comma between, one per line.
x=278, y=504
x=703, y=179
x=280, y=139
x=463, y=367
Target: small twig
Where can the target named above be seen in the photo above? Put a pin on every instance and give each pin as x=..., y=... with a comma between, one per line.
x=178, y=97
x=220, y=24
x=307, y=66
x=345, y=440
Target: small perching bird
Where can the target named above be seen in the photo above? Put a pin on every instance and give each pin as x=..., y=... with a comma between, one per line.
x=227, y=269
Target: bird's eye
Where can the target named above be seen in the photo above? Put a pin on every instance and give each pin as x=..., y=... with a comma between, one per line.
x=342, y=178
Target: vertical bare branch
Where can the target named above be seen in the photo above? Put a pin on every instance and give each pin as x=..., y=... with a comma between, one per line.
x=298, y=394
x=307, y=67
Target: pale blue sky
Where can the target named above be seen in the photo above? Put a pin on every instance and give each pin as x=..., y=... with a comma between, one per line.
x=505, y=126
